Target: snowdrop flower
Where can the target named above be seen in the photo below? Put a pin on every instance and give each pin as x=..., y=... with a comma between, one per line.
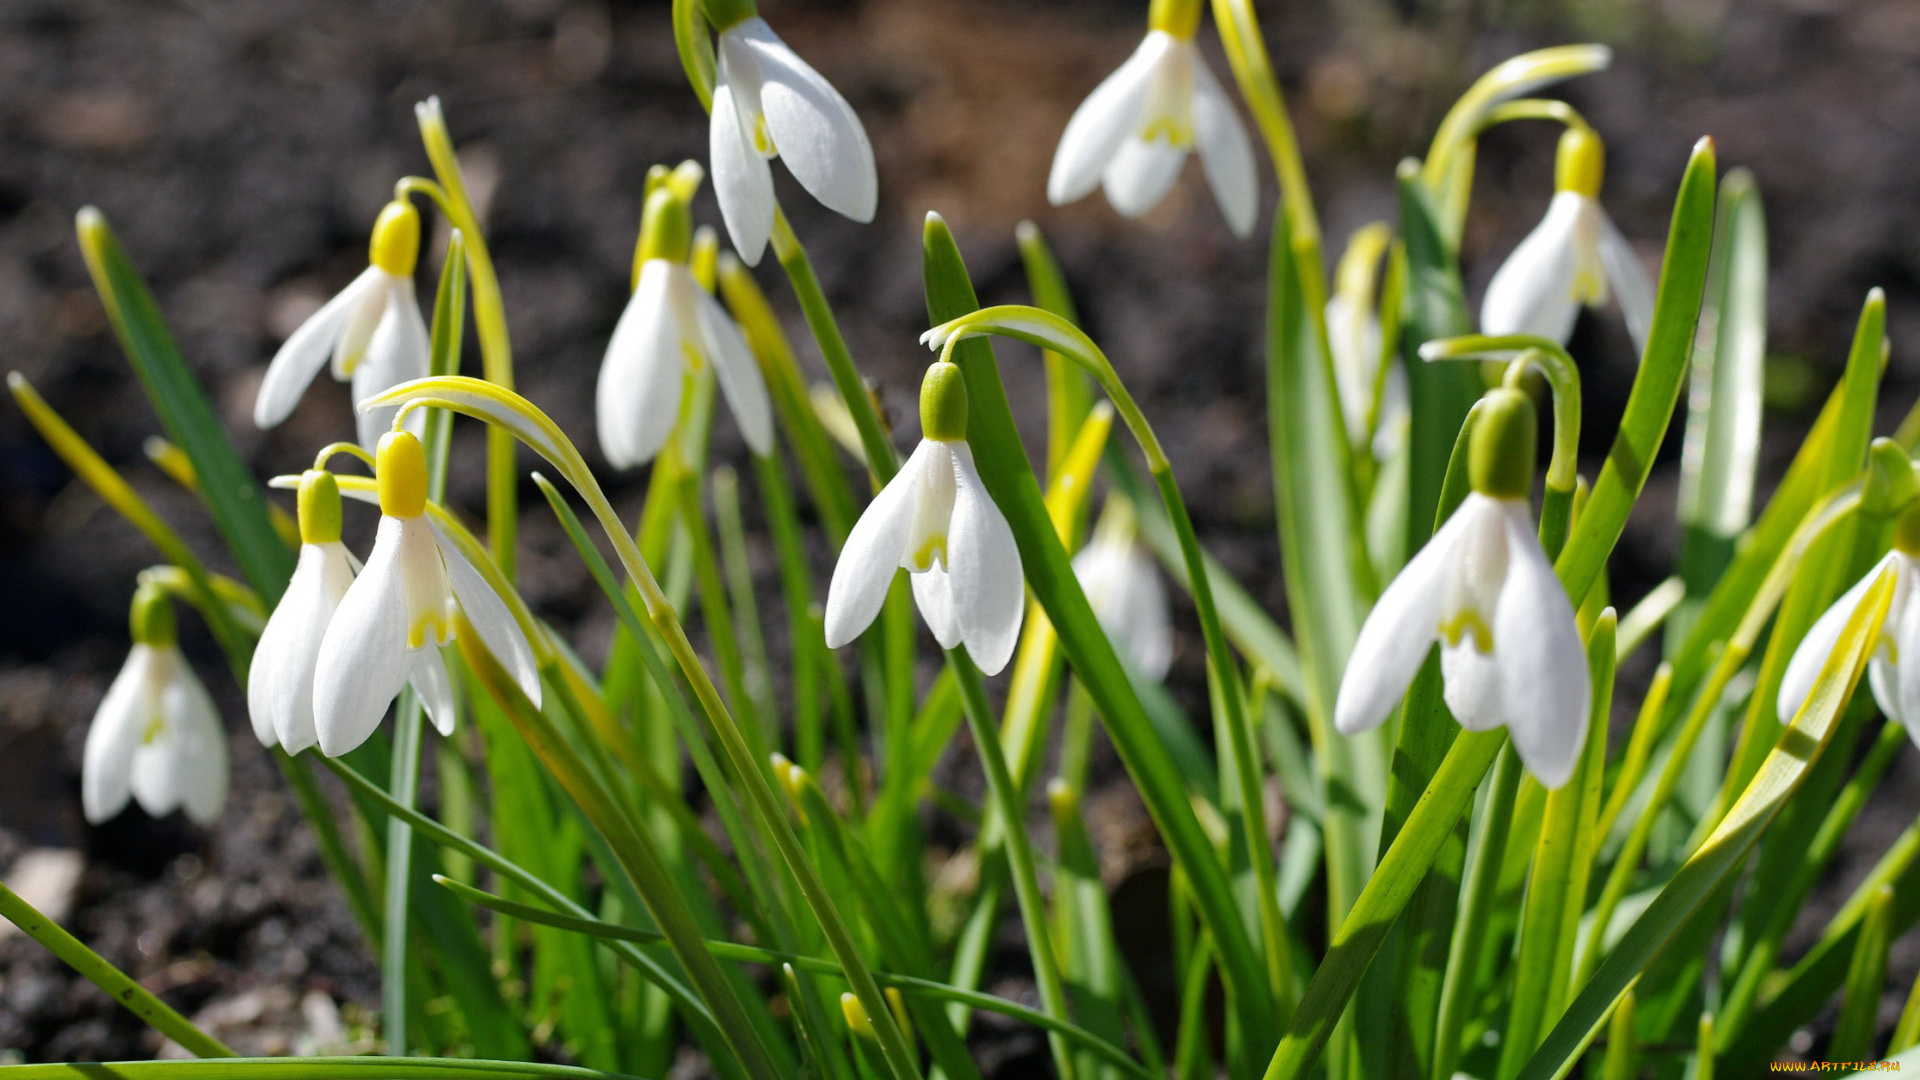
x=936, y=520
x=1354, y=341
x=1510, y=651
x=768, y=102
x=1894, y=670
x=672, y=326
x=1125, y=592
x=371, y=330
x=156, y=737
x=389, y=620
x=1132, y=134
x=1571, y=258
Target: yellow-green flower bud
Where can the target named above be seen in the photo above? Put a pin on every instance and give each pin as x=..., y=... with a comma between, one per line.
x=401, y=470
x=396, y=239
x=725, y=14
x=1581, y=163
x=666, y=230
x=151, y=616
x=319, y=504
x=858, y=1022
x=1890, y=484
x=943, y=403
x=1500, y=455
x=1180, y=18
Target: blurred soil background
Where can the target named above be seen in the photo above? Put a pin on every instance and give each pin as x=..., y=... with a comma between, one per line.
x=242, y=148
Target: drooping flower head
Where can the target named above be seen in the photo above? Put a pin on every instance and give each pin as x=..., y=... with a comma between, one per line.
x=1369, y=398
x=767, y=103
x=403, y=605
x=280, y=680
x=1133, y=133
x=371, y=331
x=156, y=737
x=670, y=327
x=1482, y=588
x=1894, y=669
x=935, y=520
x=1574, y=256
x=1125, y=591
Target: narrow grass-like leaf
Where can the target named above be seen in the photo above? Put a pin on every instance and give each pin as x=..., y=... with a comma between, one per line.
x=232, y=494
x=1866, y=976
x=1656, y=388
x=116, y=984
x=313, y=1068
x=1727, y=848
x=1009, y=479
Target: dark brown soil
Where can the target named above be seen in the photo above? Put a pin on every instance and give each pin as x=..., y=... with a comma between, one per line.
x=242, y=148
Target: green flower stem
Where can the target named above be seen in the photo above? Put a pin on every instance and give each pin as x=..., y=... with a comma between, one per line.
x=719, y=618
x=882, y=458
x=1056, y=333
x=1563, y=376
x=729, y=950
x=1069, y=395
x=490, y=320
x=1533, y=109
x=394, y=955
x=756, y=669
x=1009, y=479
x=1246, y=50
x=511, y=412
x=1005, y=792
x=1486, y=849
x=118, y=985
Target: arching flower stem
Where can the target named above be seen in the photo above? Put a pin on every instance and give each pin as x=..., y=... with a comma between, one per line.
x=489, y=319
x=1050, y=331
x=512, y=413
x=1563, y=378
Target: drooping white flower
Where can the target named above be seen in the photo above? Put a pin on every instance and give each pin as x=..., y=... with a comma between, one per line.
x=1134, y=131
x=1894, y=669
x=1573, y=257
x=935, y=520
x=156, y=737
x=1125, y=592
x=768, y=102
x=371, y=331
x=1354, y=341
x=670, y=326
x=280, y=679
x=390, y=620
x=1482, y=588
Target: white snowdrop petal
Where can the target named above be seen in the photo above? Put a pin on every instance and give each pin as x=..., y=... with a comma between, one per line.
x=1546, y=689
x=740, y=379
x=1884, y=679
x=1812, y=652
x=814, y=130
x=362, y=319
x=1151, y=637
x=742, y=181
x=1629, y=282
x=933, y=595
x=1102, y=122
x=1532, y=292
x=872, y=553
x=1225, y=151
x=364, y=659
x=638, y=397
x=1903, y=627
x=199, y=747
x=491, y=618
x=1394, y=640
x=435, y=688
x=303, y=354
x=1140, y=175
x=280, y=679
x=106, y=772
x=1470, y=685
x=398, y=352
x=989, y=588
